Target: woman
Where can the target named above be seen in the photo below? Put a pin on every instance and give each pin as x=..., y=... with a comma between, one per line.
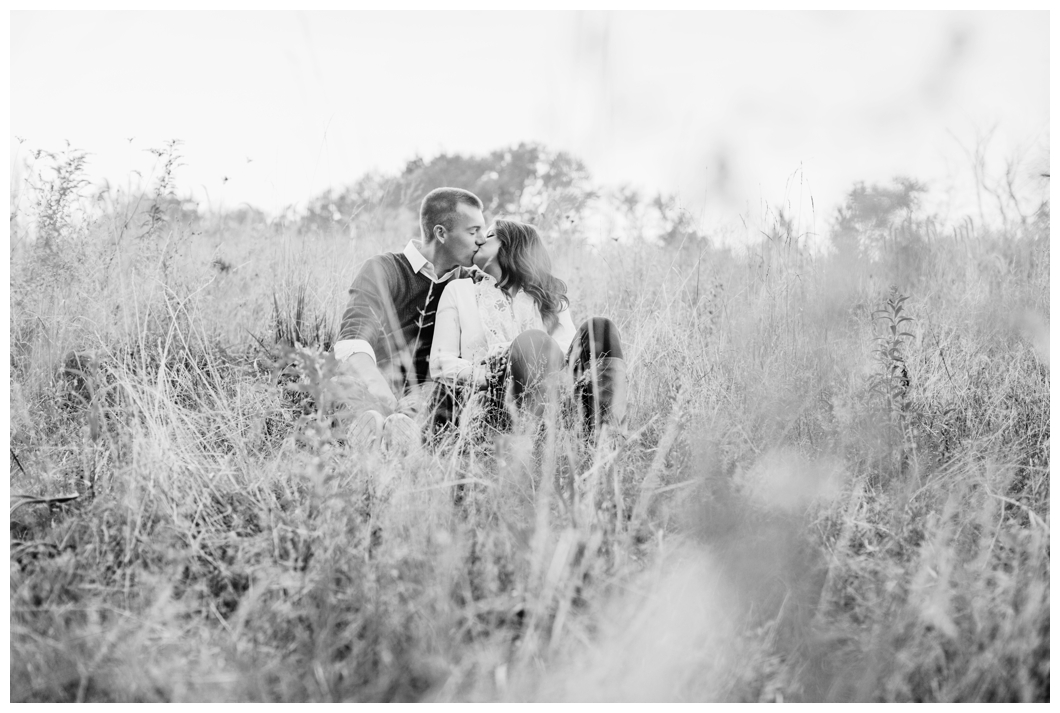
x=514, y=307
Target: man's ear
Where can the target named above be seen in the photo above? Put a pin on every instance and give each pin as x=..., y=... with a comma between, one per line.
x=439, y=233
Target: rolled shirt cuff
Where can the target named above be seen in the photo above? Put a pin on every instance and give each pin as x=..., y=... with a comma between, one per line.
x=348, y=347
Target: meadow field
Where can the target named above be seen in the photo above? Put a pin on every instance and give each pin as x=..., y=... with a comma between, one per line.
x=836, y=486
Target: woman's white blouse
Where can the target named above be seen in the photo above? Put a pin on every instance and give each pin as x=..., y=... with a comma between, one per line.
x=476, y=319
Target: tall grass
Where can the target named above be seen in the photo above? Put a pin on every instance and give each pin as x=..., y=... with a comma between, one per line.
x=776, y=528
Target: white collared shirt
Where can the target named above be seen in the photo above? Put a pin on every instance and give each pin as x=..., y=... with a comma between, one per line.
x=346, y=348
x=475, y=320
x=421, y=264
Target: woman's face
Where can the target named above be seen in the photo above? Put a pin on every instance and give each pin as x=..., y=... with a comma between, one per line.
x=488, y=252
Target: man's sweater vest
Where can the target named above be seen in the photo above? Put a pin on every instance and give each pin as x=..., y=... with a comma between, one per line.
x=393, y=308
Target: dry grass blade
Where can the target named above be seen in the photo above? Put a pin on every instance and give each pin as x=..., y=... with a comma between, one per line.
x=650, y=485
x=18, y=500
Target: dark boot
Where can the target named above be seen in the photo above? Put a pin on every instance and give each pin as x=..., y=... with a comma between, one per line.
x=537, y=369
x=606, y=403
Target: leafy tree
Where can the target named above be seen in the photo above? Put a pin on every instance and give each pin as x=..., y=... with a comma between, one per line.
x=678, y=227
x=244, y=216
x=527, y=182
x=521, y=181
x=870, y=215
x=339, y=209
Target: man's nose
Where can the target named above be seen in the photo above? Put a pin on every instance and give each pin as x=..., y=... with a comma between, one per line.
x=480, y=239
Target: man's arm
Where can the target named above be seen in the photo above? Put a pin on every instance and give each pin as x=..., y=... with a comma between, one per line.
x=363, y=368
x=362, y=332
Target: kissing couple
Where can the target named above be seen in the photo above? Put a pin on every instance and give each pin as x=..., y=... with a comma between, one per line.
x=468, y=329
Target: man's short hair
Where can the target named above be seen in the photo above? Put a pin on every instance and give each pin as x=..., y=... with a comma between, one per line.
x=439, y=208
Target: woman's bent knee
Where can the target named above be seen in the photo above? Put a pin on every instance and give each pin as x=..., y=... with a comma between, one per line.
x=536, y=347
x=599, y=338
x=532, y=338
x=533, y=355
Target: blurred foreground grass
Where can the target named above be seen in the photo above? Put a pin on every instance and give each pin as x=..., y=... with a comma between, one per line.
x=800, y=518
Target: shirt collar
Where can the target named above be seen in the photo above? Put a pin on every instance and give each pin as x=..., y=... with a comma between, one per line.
x=421, y=264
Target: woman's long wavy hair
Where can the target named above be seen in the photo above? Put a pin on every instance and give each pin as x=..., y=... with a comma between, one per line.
x=525, y=265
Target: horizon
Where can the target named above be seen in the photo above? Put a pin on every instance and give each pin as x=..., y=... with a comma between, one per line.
x=270, y=116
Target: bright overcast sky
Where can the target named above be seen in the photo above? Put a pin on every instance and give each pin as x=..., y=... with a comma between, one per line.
x=720, y=108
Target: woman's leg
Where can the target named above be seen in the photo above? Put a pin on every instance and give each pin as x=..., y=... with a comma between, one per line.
x=599, y=370
x=443, y=406
x=536, y=363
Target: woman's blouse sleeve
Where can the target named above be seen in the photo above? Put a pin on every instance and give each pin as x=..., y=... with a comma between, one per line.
x=446, y=362
x=563, y=332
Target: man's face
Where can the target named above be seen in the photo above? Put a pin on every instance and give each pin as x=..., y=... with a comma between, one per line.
x=467, y=235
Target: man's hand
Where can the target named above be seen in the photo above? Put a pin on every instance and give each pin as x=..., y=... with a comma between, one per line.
x=361, y=367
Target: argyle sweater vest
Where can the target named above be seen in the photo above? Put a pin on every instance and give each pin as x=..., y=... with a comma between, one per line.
x=393, y=308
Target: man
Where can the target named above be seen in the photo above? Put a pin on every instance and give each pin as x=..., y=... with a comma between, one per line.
x=388, y=325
